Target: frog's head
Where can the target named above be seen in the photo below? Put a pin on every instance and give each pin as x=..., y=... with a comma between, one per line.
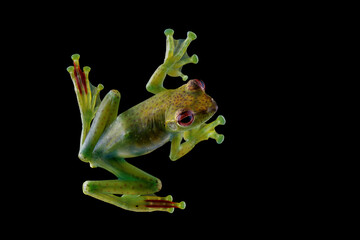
x=189, y=107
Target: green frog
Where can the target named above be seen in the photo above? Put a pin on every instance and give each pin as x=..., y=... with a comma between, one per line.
x=170, y=115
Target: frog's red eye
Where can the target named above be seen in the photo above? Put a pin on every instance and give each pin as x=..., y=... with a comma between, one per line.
x=195, y=85
x=185, y=118
x=200, y=83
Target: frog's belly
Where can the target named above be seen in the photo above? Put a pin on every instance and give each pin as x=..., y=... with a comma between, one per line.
x=127, y=144
x=127, y=148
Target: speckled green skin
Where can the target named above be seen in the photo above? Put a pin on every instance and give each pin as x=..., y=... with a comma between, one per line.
x=108, y=138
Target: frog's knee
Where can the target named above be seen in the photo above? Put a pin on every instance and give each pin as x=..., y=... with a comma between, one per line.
x=157, y=185
x=87, y=188
x=115, y=93
x=83, y=156
x=112, y=98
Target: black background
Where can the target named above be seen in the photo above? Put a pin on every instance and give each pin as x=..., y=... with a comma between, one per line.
x=251, y=60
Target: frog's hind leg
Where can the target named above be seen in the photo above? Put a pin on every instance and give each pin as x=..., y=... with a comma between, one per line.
x=135, y=186
x=105, y=115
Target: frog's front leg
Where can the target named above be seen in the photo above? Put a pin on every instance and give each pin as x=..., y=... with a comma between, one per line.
x=134, y=184
x=194, y=136
x=175, y=58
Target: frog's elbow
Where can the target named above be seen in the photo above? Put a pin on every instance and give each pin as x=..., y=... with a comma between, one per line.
x=149, y=87
x=154, y=89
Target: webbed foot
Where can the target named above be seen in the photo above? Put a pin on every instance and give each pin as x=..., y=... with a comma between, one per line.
x=87, y=95
x=176, y=56
x=206, y=131
x=151, y=203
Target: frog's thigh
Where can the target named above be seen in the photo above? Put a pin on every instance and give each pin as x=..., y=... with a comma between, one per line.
x=105, y=115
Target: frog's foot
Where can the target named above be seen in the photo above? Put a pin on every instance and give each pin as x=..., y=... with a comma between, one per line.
x=176, y=56
x=87, y=95
x=151, y=203
x=206, y=131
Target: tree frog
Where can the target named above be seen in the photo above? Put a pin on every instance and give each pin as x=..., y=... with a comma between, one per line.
x=170, y=115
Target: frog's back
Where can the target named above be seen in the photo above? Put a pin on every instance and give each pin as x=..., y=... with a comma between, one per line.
x=137, y=131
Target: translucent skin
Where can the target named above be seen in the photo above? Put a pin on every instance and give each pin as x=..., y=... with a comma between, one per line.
x=170, y=115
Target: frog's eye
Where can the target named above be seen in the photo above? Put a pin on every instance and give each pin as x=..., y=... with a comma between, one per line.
x=200, y=83
x=196, y=84
x=185, y=118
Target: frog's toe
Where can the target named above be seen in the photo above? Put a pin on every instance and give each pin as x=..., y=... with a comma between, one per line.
x=169, y=32
x=191, y=35
x=194, y=59
x=163, y=204
x=175, y=71
x=218, y=137
x=178, y=73
x=221, y=120
x=210, y=129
